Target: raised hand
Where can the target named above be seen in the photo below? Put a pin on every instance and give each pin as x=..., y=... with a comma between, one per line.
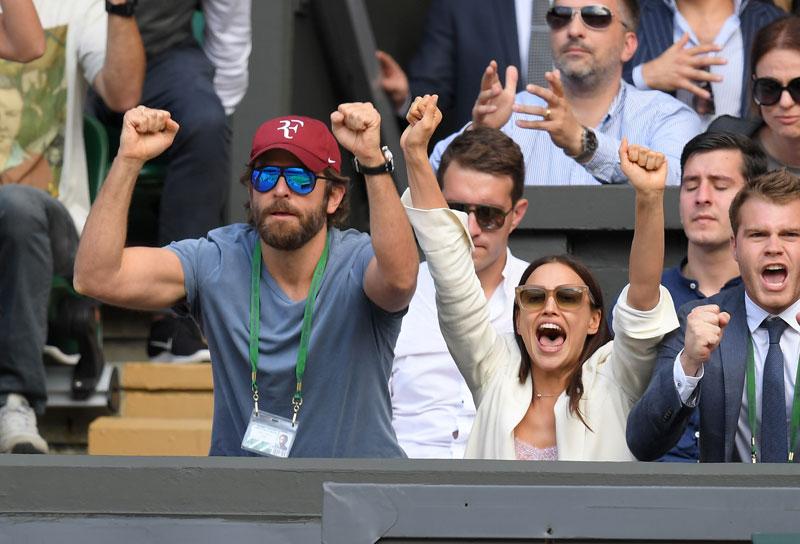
x=493, y=106
x=645, y=169
x=394, y=81
x=557, y=117
x=423, y=117
x=146, y=133
x=357, y=128
x=704, y=328
x=681, y=68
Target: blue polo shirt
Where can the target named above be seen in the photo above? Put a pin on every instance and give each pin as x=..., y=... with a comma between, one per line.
x=684, y=290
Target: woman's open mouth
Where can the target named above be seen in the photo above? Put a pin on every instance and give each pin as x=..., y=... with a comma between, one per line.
x=551, y=337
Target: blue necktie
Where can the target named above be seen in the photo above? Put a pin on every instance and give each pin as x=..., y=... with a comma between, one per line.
x=774, y=437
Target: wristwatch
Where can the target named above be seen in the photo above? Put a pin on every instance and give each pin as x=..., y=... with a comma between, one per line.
x=126, y=9
x=588, y=146
x=387, y=167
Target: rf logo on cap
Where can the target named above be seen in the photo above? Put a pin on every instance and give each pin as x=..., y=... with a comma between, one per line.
x=289, y=127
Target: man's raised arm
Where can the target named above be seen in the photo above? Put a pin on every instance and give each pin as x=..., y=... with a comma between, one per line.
x=144, y=278
x=391, y=276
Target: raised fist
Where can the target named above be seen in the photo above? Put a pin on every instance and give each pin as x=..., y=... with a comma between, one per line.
x=423, y=117
x=357, y=127
x=704, y=327
x=146, y=133
x=645, y=169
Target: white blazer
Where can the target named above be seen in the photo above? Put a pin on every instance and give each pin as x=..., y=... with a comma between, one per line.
x=614, y=377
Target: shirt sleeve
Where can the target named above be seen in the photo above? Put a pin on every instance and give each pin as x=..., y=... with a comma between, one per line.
x=638, y=78
x=189, y=253
x=227, y=44
x=92, y=31
x=685, y=385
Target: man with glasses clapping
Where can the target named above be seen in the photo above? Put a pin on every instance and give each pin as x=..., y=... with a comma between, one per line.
x=570, y=132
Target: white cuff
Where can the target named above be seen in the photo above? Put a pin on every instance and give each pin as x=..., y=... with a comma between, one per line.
x=685, y=385
x=638, y=78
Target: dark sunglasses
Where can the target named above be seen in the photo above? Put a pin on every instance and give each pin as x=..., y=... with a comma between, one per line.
x=567, y=297
x=300, y=180
x=487, y=217
x=768, y=91
x=597, y=17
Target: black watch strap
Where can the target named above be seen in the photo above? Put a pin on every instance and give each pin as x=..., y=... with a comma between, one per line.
x=123, y=10
x=387, y=167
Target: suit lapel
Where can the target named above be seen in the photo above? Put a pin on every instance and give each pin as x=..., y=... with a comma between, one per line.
x=733, y=355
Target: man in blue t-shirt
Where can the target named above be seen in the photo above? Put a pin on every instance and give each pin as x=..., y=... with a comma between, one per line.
x=714, y=167
x=317, y=314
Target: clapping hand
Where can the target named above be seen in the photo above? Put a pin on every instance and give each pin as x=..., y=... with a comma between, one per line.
x=493, y=106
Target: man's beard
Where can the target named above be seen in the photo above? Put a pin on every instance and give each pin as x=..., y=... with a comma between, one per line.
x=585, y=77
x=286, y=236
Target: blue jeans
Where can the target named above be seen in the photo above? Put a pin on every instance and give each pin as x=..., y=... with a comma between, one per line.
x=194, y=199
x=37, y=240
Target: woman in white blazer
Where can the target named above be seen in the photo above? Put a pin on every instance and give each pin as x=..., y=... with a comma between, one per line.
x=559, y=388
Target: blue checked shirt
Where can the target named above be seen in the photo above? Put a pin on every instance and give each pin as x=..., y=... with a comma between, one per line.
x=649, y=118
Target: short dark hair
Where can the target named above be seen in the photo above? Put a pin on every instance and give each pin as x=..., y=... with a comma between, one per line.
x=754, y=160
x=777, y=187
x=630, y=9
x=336, y=219
x=486, y=150
x=593, y=341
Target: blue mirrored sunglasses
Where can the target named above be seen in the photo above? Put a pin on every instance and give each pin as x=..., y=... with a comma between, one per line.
x=300, y=180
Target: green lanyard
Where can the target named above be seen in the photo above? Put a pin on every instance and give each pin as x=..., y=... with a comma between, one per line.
x=751, y=404
x=305, y=334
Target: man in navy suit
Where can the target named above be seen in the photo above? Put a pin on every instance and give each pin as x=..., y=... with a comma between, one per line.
x=699, y=51
x=704, y=363
x=460, y=38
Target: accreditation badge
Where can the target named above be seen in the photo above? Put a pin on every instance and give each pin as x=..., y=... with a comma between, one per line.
x=269, y=435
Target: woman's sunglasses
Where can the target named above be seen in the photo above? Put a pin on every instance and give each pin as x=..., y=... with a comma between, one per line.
x=768, y=91
x=567, y=297
x=300, y=180
x=487, y=217
x=597, y=17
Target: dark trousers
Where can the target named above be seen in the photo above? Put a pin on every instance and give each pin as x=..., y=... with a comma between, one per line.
x=195, y=194
x=37, y=240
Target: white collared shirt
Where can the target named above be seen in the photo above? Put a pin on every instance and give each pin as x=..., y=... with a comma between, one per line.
x=432, y=407
x=790, y=346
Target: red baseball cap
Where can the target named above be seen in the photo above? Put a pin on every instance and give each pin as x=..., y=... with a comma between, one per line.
x=307, y=139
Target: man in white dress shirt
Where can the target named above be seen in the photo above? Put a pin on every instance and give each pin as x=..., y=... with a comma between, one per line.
x=482, y=173
x=736, y=353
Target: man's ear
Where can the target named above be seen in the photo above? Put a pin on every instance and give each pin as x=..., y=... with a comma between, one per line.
x=337, y=191
x=629, y=49
x=520, y=208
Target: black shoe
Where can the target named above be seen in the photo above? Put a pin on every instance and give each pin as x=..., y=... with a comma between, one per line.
x=176, y=340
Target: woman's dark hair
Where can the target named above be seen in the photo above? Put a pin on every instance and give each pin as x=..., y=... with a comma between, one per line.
x=783, y=33
x=593, y=341
x=336, y=219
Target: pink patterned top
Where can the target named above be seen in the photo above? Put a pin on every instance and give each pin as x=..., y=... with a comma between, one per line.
x=526, y=452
